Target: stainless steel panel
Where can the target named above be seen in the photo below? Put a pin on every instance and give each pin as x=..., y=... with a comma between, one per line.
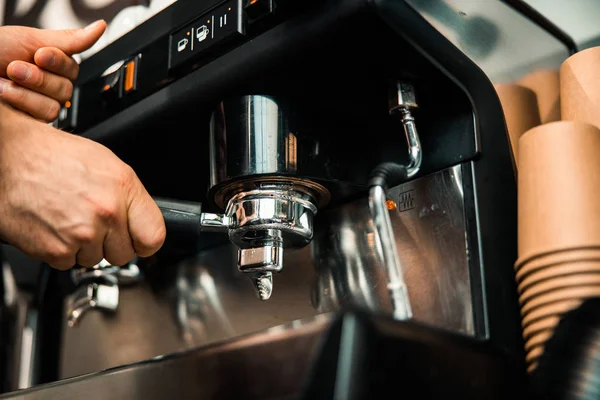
x=208, y=299
x=431, y=235
x=430, y=231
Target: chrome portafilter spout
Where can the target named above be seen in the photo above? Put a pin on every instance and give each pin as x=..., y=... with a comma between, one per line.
x=265, y=221
x=261, y=222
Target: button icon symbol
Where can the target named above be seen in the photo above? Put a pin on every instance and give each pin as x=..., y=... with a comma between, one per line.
x=182, y=44
x=202, y=33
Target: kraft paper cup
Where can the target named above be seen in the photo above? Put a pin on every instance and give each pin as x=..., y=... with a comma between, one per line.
x=580, y=292
x=558, y=270
x=559, y=282
x=546, y=85
x=559, y=257
x=537, y=332
x=533, y=356
x=538, y=339
x=534, y=344
x=558, y=308
x=558, y=188
x=544, y=324
x=521, y=113
x=580, y=87
x=590, y=264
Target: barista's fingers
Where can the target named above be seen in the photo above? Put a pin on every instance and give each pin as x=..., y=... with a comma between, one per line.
x=35, y=104
x=54, y=60
x=146, y=223
x=90, y=253
x=118, y=249
x=60, y=257
x=44, y=82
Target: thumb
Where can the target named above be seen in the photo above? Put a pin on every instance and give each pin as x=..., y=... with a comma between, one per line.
x=146, y=223
x=73, y=41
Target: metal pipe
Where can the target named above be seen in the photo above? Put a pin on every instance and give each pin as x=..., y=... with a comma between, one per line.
x=414, y=143
x=383, y=225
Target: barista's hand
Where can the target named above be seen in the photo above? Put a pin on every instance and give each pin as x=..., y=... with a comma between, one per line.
x=40, y=68
x=65, y=199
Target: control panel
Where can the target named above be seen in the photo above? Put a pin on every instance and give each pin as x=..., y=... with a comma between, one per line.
x=221, y=24
x=179, y=51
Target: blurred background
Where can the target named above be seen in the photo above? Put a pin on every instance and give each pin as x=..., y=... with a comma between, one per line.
x=123, y=15
x=59, y=14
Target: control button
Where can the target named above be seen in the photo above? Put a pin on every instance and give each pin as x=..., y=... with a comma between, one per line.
x=111, y=87
x=256, y=9
x=130, y=75
x=67, y=116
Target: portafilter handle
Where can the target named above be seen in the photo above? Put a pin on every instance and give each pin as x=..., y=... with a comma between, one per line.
x=185, y=221
x=181, y=217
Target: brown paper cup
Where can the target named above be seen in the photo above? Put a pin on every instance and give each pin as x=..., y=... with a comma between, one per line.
x=543, y=324
x=558, y=272
x=538, y=339
x=561, y=282
x=563, y=294
x=552, y=258
x=533, y=365
x=539, y=330
x=559, y=188
x=533, y=356
x=558, y=308
x=520, y=106
x=580, y=87
x=546, y=85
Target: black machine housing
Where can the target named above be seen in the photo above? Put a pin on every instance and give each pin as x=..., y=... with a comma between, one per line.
x=331, y=61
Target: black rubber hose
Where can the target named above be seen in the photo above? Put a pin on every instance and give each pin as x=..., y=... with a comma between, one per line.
x=569, y=368
x=388, y=174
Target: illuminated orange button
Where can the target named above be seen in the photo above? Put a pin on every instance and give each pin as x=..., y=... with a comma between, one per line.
x=390, y=204
x=129, y=76
x=68, y=104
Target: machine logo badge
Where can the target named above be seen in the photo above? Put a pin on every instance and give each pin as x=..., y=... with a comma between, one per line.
x=202, y=33
x=182, y=44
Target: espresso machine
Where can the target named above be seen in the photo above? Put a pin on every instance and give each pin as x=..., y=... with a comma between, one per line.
x=340, y=200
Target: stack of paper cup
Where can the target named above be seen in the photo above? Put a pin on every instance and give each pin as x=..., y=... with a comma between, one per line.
x=559, y=204
x=559, y=226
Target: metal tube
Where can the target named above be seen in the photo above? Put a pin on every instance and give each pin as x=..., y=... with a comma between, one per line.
x=414, y=143
x=396, y=285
